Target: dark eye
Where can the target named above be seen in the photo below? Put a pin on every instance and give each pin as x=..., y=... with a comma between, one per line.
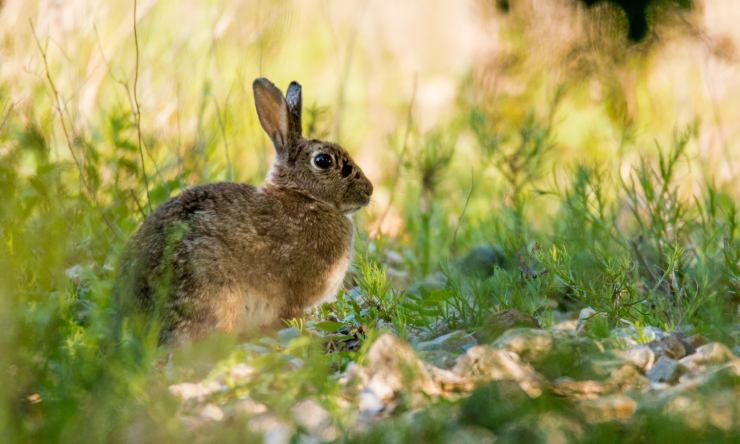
x=322, y=161
x=346, y=169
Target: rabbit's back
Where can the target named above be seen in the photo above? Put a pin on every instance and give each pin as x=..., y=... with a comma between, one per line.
x=235, y=258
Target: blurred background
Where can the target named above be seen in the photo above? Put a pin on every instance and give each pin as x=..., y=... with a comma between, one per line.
x=372, y=70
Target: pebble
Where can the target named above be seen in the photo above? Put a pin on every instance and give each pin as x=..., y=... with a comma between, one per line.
x=212, y=412
x=456, y=342
x=530, y=344
x=670, y=346
x=665, y=370
x=680, y=372
x=310, y=415
x=369, y=403
x=273, y=430
x=392, y=368
x=484, y=363
x=630, y=336
x=249, y=407
x=709, y=354
x=642, y=356
x=439, y=358
x=608, y=408
x=187, y=391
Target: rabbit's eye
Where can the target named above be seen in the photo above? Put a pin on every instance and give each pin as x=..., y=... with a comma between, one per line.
x=346, y=169
x=322, y=161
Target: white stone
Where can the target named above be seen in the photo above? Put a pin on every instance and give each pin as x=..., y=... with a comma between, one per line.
x=187, y=391
x=212, y=412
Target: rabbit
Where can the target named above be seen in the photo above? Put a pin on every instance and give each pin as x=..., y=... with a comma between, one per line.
x=239, y=259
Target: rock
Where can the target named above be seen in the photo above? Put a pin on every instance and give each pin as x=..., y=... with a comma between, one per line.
x=249, y=407
x=497, y=323
x=568, y=325
x=694, y=342
x=586, y=313
x=212, y=412
x=670, y=346
x=482, y=260
x=370, y=404
x=238, y=374
x=553, y=353
x=645, y=356
x=709, y=354
x=642, y=356
x=579, y=389
x=621, y=380
x=457, y=341
x=492, y=364
x=717, y=410
x=315, y=420
x=285, y=335
x=310, y=414
x=439, y=358
x=484, y=363
x=626, y=378
x=665, y=370
x=631, y=337
x=391, y=368
x=702, y=402
x=272, y=429
x=528, y=343
x=187, y=391
x=608, y=408
x=724, y=376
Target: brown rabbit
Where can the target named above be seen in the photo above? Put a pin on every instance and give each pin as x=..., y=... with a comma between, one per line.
x=236, y=258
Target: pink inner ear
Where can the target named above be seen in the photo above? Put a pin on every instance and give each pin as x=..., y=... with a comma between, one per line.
x=272, y=112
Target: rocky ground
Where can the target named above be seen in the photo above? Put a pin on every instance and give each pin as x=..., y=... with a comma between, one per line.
x=509, y=381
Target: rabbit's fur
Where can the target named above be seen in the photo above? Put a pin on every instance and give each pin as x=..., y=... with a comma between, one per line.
x=236, y=258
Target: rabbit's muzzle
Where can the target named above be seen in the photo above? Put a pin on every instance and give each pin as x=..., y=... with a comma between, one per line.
x=357, y=196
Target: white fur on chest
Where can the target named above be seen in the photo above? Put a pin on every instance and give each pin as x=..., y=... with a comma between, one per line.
x=334, y=279
x=259, y=312
x=335, y=276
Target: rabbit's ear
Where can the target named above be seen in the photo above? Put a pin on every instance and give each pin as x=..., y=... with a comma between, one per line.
x=293, y=97
x=272, y=111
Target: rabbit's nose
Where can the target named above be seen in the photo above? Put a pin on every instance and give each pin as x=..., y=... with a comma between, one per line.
x=368, y=189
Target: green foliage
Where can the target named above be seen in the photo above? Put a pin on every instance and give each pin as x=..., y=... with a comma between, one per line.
x=635, y=251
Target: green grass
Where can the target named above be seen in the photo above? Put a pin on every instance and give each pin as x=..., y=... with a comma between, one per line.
x=632, y=234
x=631, y=249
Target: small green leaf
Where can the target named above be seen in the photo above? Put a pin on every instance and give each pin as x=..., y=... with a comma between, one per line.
x=328, y=326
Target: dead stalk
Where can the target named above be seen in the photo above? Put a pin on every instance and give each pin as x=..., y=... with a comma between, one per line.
x=137, y=112
x=65, y=129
